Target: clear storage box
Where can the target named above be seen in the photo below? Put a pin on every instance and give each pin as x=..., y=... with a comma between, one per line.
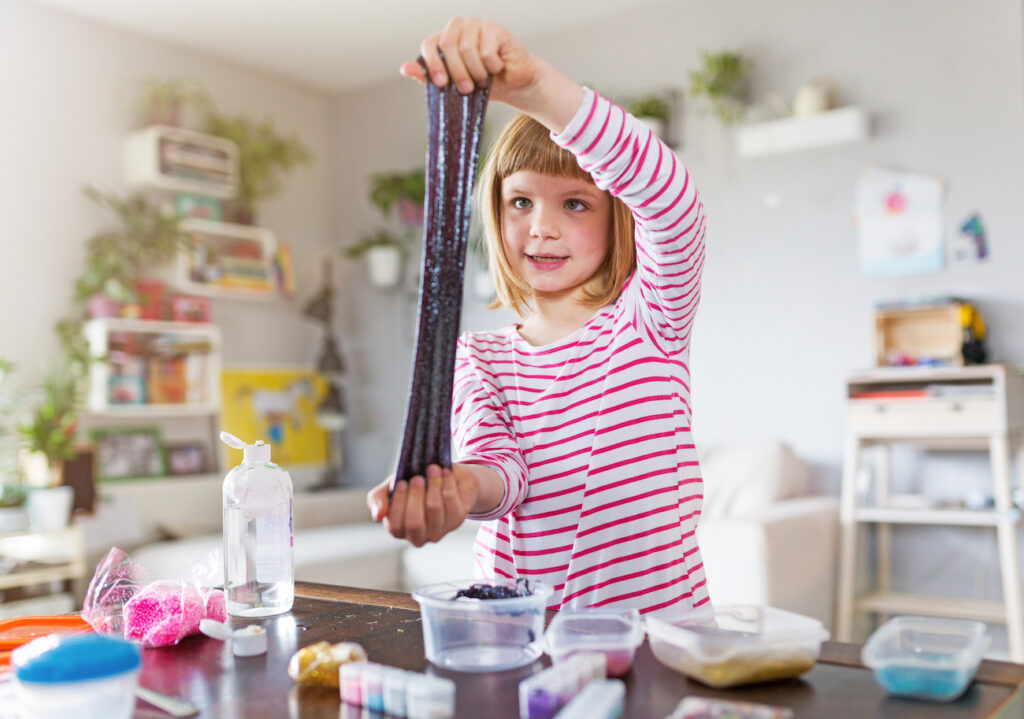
x=479, y=635
x=615, y=633
x=739, y=644
x=926, y=657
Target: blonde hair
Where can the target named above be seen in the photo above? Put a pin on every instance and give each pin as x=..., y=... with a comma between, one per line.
x=525, y=144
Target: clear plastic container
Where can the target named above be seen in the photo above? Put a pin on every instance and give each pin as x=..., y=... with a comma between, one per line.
x=479, y=635
x=740, y=644
x=616, y=633
x=926, y=657
x=85, y=676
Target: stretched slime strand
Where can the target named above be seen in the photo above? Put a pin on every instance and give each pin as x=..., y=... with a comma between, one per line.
x=454, y=124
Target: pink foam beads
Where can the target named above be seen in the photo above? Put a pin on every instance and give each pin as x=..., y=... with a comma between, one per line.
x=164, y=613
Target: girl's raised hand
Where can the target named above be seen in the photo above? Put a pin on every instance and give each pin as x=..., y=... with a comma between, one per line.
x=474, y=49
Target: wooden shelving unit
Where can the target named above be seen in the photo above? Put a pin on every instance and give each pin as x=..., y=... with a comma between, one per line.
x=973, y=407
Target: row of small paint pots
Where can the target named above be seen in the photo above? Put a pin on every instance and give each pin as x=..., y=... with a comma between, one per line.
x=397, y=692
x=573, y=688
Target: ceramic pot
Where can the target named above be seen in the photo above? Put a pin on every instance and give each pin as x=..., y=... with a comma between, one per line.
x=49, y=508
x=410, y=213
x=100, y=305
x=384, y=263
x=13, y=519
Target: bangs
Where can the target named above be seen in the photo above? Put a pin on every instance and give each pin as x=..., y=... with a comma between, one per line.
x=530, y=147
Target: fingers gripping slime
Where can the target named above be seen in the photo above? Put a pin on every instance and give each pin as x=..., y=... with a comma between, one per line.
x=454, y=125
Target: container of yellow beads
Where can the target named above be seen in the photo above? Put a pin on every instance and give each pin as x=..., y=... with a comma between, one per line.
x=739, y=644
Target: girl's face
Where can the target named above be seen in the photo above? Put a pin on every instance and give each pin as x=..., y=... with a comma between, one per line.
x=555, y=230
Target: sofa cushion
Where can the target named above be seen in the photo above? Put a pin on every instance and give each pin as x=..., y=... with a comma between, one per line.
x=746, y=477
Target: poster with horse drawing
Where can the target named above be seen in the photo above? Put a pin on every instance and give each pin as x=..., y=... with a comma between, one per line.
x=277, y=405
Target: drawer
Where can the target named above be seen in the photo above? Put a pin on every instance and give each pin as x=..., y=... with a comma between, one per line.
x=924, y=418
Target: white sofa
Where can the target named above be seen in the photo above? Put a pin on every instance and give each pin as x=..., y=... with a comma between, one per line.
x=763, y=541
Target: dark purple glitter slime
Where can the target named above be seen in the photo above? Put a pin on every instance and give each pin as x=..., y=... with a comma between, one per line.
x=496, y=591
x=454, y=125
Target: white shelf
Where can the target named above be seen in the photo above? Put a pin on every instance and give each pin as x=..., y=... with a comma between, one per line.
x=832, y=127
x=206, y=268
x=983, y=610
x=963, y=518
x=199, y=367
x=178, y=160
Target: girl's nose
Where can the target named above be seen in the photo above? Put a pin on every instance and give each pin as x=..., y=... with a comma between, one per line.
x=543, y=225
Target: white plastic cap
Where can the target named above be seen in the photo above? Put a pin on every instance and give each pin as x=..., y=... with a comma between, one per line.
x=258, y=453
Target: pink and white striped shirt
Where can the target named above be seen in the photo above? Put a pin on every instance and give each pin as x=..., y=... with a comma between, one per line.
x=592, y=433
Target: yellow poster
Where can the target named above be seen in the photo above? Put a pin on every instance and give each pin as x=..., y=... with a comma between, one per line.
x=277, y=405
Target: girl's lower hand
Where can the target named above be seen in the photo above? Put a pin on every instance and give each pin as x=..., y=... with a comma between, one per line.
x=424, y=509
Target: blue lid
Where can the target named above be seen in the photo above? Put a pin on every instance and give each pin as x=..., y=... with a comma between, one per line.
x=73, y=658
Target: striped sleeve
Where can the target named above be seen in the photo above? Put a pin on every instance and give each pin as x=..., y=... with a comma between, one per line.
x=625, y=158
x=482, y=432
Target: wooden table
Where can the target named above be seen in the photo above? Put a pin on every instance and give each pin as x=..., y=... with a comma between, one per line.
x=387, y=624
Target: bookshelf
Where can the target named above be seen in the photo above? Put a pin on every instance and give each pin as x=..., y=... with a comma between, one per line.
x=227, y=260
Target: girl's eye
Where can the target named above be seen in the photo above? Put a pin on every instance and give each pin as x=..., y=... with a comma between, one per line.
x=520, y=203
x=575, y=205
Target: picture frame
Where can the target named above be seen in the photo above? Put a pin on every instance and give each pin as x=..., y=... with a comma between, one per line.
x=185, y=458
x=189, y=308
x=128, y=452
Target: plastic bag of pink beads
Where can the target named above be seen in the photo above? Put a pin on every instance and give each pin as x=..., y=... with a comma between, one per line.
x=124, y=600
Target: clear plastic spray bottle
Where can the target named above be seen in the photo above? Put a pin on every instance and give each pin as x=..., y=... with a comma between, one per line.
x=259, y=568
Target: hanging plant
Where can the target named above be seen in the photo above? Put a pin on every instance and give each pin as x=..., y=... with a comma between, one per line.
x=722, y=80
x=264, y=155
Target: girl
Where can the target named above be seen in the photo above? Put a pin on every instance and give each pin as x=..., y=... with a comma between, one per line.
x=572, y=428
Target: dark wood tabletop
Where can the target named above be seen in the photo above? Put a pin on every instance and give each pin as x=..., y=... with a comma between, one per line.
x=387, y=625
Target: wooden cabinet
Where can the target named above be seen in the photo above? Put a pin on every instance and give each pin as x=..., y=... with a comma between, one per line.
x=974, y=407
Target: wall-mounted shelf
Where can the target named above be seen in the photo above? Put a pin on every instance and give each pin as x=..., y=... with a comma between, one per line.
x=227, y=260
x=144, y=368
x=170, y=158
x=832, y=127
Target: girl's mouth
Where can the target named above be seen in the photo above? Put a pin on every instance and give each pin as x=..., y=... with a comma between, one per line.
x=546, y=263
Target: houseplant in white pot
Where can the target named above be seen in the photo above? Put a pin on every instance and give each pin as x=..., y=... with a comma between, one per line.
x=49, y=437
x=384, y=253
x=12, y=494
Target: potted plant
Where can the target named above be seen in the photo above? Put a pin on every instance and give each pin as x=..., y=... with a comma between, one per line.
x=402, y=191
x=263, y=155
x=165, y=101
x=12, y=494
x=722, y=80
x=49, y=437
x=115, y=259
x=384, y=253
x=652, y=110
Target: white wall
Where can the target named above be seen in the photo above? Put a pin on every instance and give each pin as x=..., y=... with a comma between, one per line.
x=69, y=91
x=785, y=314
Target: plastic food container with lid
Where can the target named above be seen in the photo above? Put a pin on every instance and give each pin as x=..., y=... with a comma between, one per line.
x=739, y=644
x=479, y=635
x=926, y=657
x=85, y=676
x=616, y=633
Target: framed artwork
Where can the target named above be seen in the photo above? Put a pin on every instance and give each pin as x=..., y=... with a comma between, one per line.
x=128, y=452
x=186, y=458
x=278, y=405
x=189, y=308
